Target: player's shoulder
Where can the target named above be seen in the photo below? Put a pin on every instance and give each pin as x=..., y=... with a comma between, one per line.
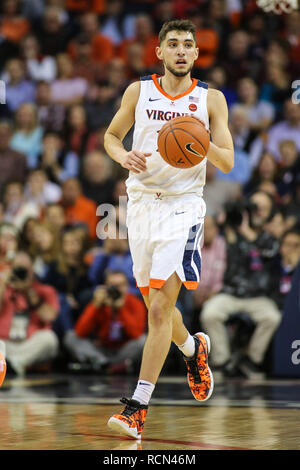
x=215, y=99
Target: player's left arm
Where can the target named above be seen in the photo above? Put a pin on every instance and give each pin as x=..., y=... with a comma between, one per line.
x=221, y=151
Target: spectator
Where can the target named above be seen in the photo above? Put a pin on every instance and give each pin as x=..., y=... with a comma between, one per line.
x=67, y=89
x=40, y=190
x=8, y=245
x=26, y=234
x=16, y=208
x=213, y=256
x=292, y=34
x=246, y=287
x=266, y=171
x=78, y=208
x=285, y=265
x=96, y=180
x=53, y=34
x=277, y=226
x=218, y=79
x=235, y=60
x=289, y=164
x=13, y=165
x=116, y=25
x=55, y=217
x=13, y=26
x=277, y=85
x=51, y=115
x=102, y=50
x=115, y=254
x=260, y=114
x=27, y=137
x=39, y=67
x=79, y=139
x=19, y=90
x=100, y=104
x=44, y=248
x=67, y=273
x=240, y=129
x=27, y=310
x=117, y=321
x=144, y=35
x=84, y=64
x=288, y=129
x=56, y=160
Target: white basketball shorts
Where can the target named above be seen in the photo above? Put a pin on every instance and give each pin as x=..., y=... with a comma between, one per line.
x=165, y=235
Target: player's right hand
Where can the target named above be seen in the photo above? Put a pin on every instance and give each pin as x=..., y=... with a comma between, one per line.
x=135, y=161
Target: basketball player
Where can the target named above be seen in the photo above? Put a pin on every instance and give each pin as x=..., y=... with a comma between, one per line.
x=165, y=211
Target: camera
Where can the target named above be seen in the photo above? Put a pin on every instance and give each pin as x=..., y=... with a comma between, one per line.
x=114, y=293
x=234, y=212
x=20, y=273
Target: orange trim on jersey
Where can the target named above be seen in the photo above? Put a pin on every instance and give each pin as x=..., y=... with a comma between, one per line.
x=173, y=98
x=156, y=283
x=191, y=285
x=144, y=290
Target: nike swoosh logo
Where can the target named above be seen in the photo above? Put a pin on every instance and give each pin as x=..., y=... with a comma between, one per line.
x=154, y=99
x=190, y=149
x=142, y=383
x=178, y=213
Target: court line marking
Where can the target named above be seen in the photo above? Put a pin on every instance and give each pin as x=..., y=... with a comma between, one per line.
x=200, y=445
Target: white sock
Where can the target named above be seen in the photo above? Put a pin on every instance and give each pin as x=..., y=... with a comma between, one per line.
x=143, y=392
x=188, y=347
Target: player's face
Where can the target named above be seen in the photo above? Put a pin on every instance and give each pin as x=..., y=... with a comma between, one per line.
x=178, y=52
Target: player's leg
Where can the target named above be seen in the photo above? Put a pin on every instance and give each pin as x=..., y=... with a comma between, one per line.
x=161, y=304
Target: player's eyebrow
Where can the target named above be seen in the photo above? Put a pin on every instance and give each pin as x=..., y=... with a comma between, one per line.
x=176, y=39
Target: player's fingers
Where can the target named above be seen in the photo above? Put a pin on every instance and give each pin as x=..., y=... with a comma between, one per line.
x=130, y=167
x=138, y=163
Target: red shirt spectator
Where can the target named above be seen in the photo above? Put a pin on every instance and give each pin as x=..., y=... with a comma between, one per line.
x=132, y=316
x=15, y=303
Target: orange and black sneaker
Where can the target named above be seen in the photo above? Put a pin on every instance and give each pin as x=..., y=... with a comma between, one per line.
x=131, y=421
x=200, y=378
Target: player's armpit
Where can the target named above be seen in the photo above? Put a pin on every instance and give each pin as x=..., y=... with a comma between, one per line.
x=221, y=151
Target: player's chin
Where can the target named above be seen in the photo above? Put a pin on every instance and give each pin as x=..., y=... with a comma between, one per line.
x=180, y=71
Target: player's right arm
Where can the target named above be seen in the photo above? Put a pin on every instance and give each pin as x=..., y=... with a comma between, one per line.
x=120, y=125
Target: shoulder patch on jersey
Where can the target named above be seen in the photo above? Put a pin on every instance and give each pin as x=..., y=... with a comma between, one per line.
x=146, y=77
x=202, y=84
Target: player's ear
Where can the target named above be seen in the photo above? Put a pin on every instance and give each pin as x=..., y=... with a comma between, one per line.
x=196, y=53
x=158, y=52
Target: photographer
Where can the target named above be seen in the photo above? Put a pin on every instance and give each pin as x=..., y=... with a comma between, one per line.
x=111, y=329
x=247, y=284
x=27, y=309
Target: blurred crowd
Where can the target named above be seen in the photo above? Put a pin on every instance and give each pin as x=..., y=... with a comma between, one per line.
x=67, y=297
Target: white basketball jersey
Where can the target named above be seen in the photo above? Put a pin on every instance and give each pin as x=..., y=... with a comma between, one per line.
x=154, y=108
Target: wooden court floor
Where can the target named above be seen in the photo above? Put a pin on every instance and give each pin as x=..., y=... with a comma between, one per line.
x=70, y=413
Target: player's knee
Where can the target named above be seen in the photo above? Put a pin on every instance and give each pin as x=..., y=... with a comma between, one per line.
x=159, y=314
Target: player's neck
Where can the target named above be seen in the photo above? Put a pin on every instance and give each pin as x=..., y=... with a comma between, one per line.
x=175, y=85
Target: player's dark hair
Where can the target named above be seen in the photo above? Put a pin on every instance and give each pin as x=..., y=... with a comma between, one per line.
x=176, y=25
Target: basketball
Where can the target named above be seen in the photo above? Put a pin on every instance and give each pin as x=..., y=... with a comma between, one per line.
x=183, y=142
